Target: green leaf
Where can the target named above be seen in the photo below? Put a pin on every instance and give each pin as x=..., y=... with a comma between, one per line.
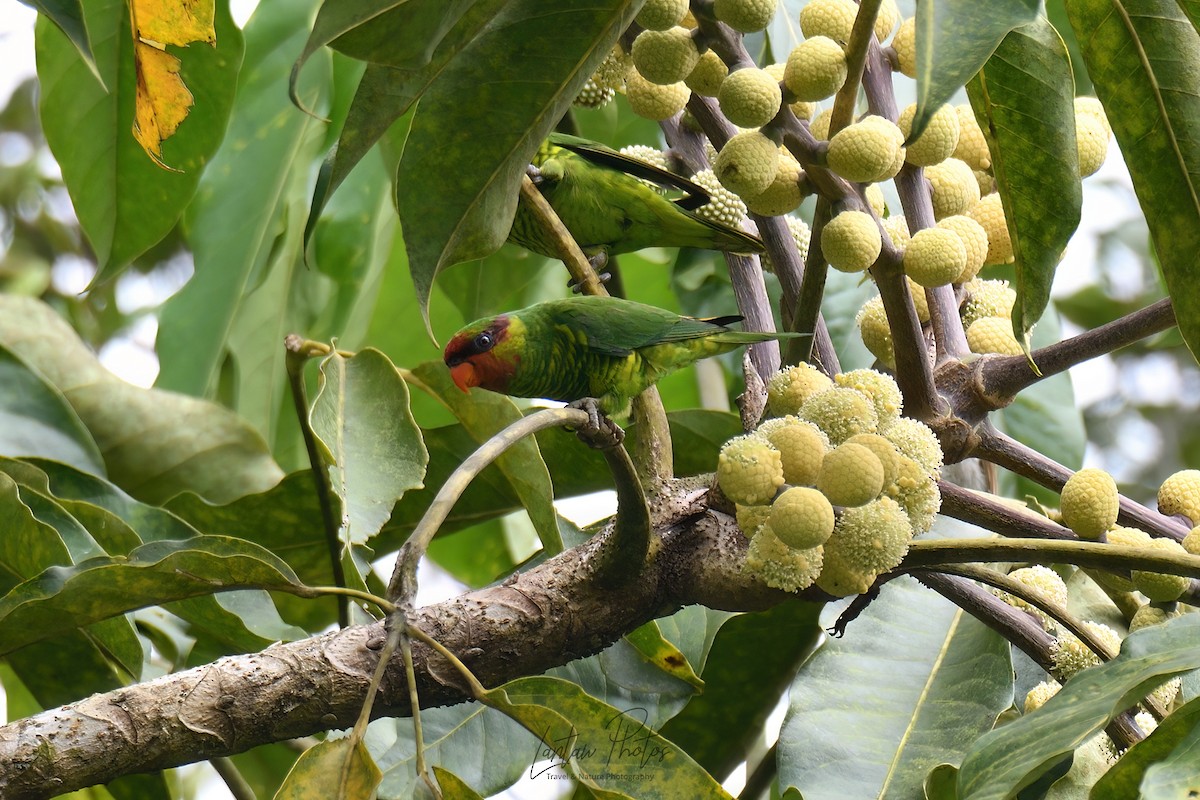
x=923, y=677
x=484, y=414
x=399, y=33
x=1175, y=776
x=371, y=442
x=1144, y=57
x=320, y=770
x=649, y=641
x=37, y=420
x=28, y=545
x=476, y=556
x=63, y=598
x=954, y=39
x=155, y=444
x=1168, y=748
x=68, y=16
x=752, y=662
x=241, y=204
x=453, y=787
x=464, y=212
x=508, y=279
x=1015, y=755
x=604, y=748
x=1024, y=98
x=125, y=202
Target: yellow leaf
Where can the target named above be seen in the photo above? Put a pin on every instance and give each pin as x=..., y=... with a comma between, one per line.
x=179, y=22
x=162, y=101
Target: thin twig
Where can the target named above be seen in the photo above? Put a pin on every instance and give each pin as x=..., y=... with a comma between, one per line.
x=239, y=787
x=996, y=515
x=936, y=553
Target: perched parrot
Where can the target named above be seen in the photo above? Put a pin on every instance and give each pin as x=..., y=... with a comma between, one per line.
x=597, y=193
x=599, y=347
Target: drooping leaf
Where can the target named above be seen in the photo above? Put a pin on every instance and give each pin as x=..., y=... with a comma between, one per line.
x=1024, y=99
x=457, y=191
x=1014, y=755
x=1143, y=61
x=125, y=202
x=954, y=39
x=320, y=770
x=68, y=16
x=913, y=682
x=155, y=444
x=36, y=420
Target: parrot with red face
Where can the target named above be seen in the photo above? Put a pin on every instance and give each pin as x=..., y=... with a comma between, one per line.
x=586, y=347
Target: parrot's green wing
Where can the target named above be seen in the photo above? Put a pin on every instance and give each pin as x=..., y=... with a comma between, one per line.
x=695, y=195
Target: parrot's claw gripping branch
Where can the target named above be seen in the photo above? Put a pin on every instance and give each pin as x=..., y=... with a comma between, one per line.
x=600, y=433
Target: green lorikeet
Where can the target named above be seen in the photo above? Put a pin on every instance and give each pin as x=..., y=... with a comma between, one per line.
x=600, y=347
x=597, y=193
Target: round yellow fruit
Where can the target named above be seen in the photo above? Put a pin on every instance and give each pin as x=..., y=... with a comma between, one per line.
x=654, y=102
x=661, y=15
x=953, y=188
x=935, y=257
x=1158, y=586
x=749, y=470
x=972, y=146
x=1091, y=143
x=746, y=16
x=816, y=69
x=1089, y=503
x=665, y=57
x=851, y=241
x=801, y=444
x=851, y=475
x=747, y=163
x=784, y=194
x=867, y=541
x=866, y=151
x=905, y=47
x=937, y=142
x=914, y=439
x=840, y=413
x=1180, y=494
x=708, y=74
x=987, y=298
x=993, y=335
x=750, y=97
x=788, y=389
x=831, y=18
x=780, y=566
x=876, y=334
x=802, y=518
x=974, y=239
x=885, y=451
x=881, y=389
x=917, y=493
x=989, y=213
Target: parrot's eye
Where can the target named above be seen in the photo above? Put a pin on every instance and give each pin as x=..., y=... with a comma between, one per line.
x=484, y=342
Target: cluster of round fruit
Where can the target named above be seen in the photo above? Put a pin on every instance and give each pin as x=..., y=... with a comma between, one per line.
x=834, y=484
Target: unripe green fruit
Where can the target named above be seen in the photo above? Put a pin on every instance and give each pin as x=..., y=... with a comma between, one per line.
x=779, y=566
x=876, y=335
x=746, y=16
x=661, y=15
x=654, y=102
x=749, y=470
x=802, y=446
x=993, y=335
x=802, y=518
x=937, y=141
x=723, y=205
x=953, y=188
x=851, y=242
x=987, y=298
x=840, y=413
x=866, y=541
x=665, y=57
x=989, y=213
x=851, y=475
x=974, y=239
x=1180, y=494
x=788, y=389
x=972, y=145
x=1090, y=503
x=750, y=98
x=816, y=69
x=747, y=163
x=784, y=192
x=914, y=439
x=935, y=257
x=879, y=388
x=708, y=74
x=885, y=451
x=865, y=151
x=1161, y=587
x=831, y=18
x=905, y=46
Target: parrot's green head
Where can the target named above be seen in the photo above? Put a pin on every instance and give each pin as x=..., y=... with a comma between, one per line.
x=486, y=353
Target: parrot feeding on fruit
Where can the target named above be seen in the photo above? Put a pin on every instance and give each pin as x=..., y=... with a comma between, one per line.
x=597, y=194
x=599, y=347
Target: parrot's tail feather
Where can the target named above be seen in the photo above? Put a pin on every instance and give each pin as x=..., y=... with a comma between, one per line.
x=730, y=239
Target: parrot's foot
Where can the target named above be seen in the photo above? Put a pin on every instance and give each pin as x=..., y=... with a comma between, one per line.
x=534, y=174
x=598, y=262
x=600, y=433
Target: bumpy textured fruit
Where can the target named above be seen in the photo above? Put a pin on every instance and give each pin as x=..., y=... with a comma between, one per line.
x=779, y=566
x=851, y=241
x=876, y=335
x=788, y=389
x=881, y=389
x=866, y=541
x=816, y=69
x=935, y=257
x=953, y=188
x=593, y=95
x=1146, y=616
x=1091, y=106
x=832, y=18
x=749, y=470
x=1071, y=656
x=896, y=227
x=1038, y=695
x=875, y=199
x=887, y=19
x=841, y=413
x=974, y=239
x=723, y=205
x=801, y=235
x=751, y=519
x=937, y=142
x=1180, y=494
x=1128, y=537
x=750, y=97
x=819, y=127
x=708, y=74
x=747, y=163
x=1045, y=582
x=802, y=518
x=914, y=439
x=801, y=444
x=972, y=145
x=746, y=16
x=993, y=335
x=917, y=493
x=920, y=301
x=784, y=192
x=1091, y=143
x=885, y=451
x=851, y=475
x=665, y=57
x=989, y=212
x=1089, y=503
x=987, y=298
x=1158, y=586
x=905, y=45
x=1191, y=542
x=865, y=151
x=661, y=15
x=651, y=155
x=652, y=101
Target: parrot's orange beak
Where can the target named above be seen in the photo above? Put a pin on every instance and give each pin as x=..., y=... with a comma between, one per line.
x=464, y=375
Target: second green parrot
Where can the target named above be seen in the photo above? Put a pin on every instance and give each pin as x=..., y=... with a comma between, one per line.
x=603, y=200
x=601, y=347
